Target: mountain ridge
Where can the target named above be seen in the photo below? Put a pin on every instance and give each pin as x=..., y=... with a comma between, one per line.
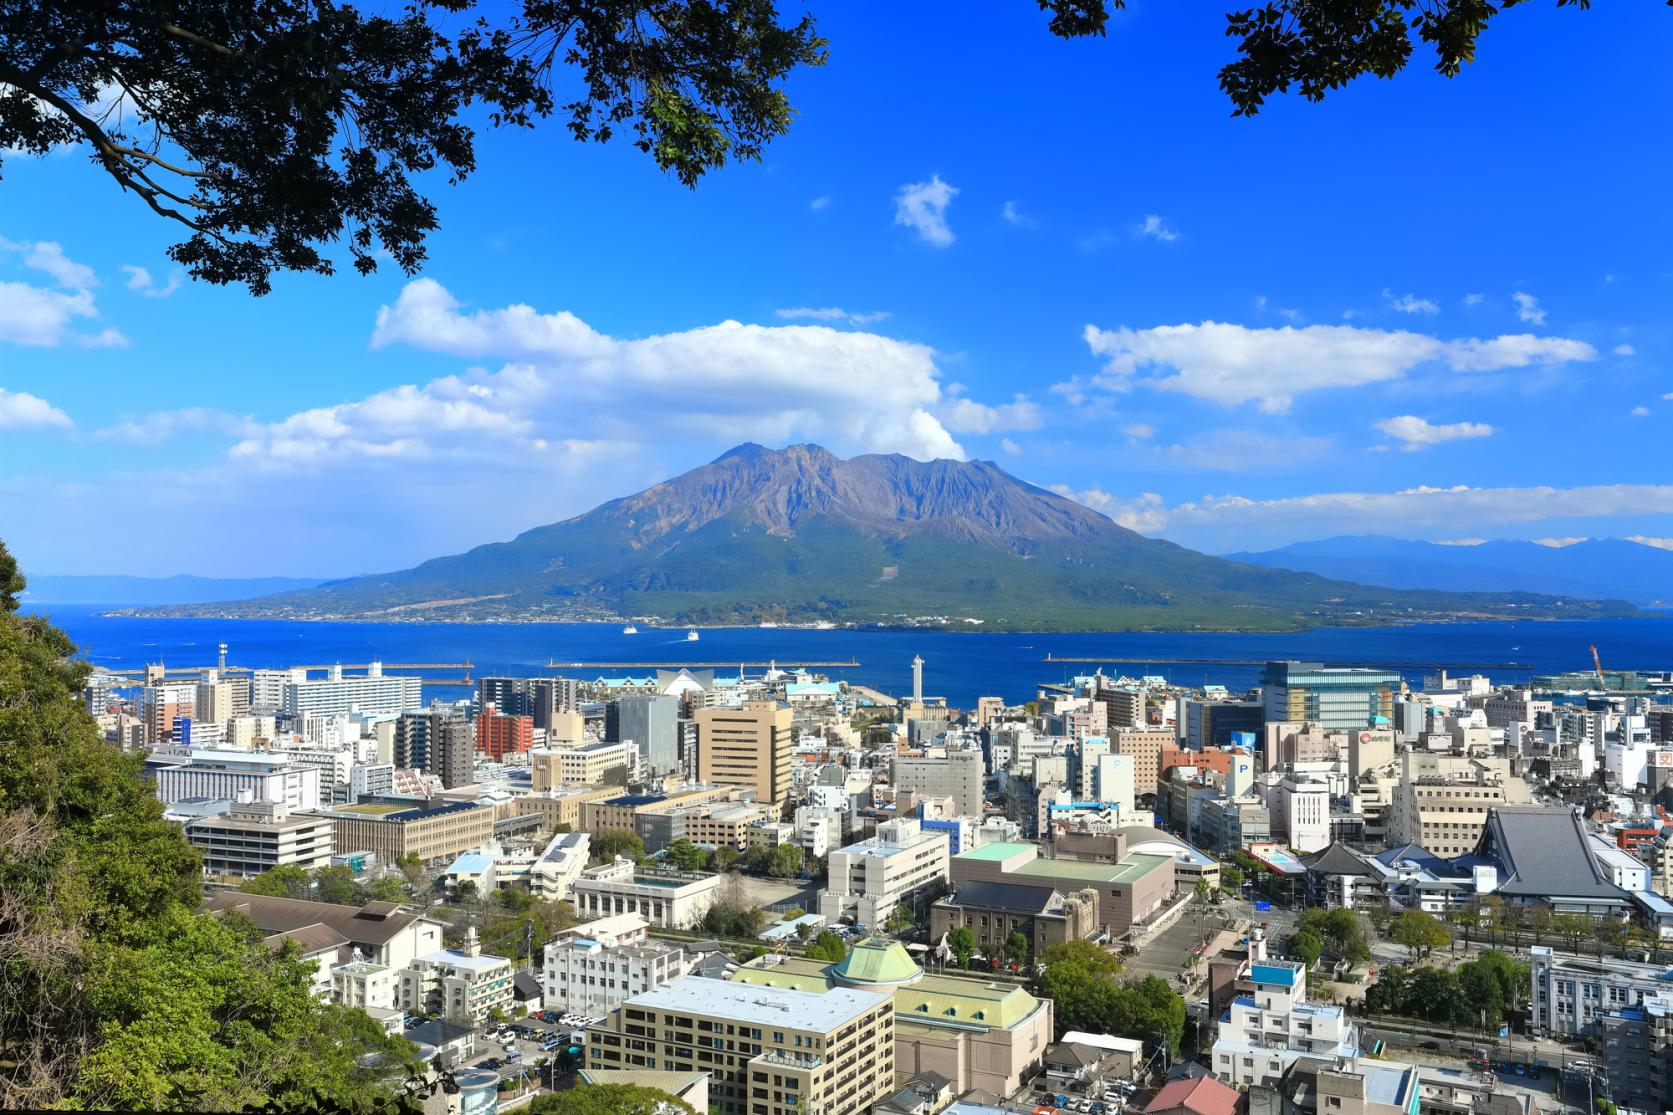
x=1593, y=567
x=802, y=535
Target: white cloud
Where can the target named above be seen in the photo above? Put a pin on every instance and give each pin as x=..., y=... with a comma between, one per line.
x=1418, y=432
x=1009, y=447
x=1013, y=215
x=165, y=425
x=1231, y=364
x=1247, y=451
x=832, y=313
x=1559, y=543
x=1460, y=541
x=1640, y=412
x=1647, y=540
x=966, y=416
x=1410, y=303
x=1474, y=299
x=1527, y=308
x=1157, y=228
x=1234, y=521
x=1140, y=430
x=140, y=281
x=1146, y=514
x=45, y=317
x=820, y=202
x=922, y=206
x=1624, y=350
x=20, y=410
x=851, y=390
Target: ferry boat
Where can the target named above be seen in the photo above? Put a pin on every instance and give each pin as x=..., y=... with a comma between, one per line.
x=691, y=636
x=630, y=630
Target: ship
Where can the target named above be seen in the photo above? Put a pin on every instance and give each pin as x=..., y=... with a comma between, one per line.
x=691, y=636
x=630, y=630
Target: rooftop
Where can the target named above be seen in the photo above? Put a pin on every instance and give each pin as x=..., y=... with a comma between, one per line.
x=821, y=1011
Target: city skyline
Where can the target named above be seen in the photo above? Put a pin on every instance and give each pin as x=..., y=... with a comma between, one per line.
x=1044, y=268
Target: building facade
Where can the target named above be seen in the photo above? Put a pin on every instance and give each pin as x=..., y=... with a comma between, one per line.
x=747, y=746
x=254, y=837
x=866, y=881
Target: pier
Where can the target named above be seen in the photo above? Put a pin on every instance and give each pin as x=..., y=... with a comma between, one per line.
x=1114, y=660
x=779, y=662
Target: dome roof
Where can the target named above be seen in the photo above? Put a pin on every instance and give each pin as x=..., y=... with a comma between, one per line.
x=877, y=962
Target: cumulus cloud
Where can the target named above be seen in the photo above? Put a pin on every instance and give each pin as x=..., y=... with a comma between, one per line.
x=1640, y=412
x=1460, y=541
x=1232, y=364
x=854, y=391
x=1157, y=228
x=1419, y=432
x=1410, y=303
x=140, y=281
x=922, y=207
x=1527, y=308
x=1624, y=350
x=1647, y=540
x=1560, y=543
x=20, y=410
x=1009, y=447
x=832, y=313
x=1147, y=513
x=1014, y=216
x=1474, y=299
x=46, y=316
x=820, y=202
x=1140, y=430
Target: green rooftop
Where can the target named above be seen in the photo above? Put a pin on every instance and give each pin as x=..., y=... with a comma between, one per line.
x=965, y=1002
x=877, y=961
x=373, y=810
x=994, y=852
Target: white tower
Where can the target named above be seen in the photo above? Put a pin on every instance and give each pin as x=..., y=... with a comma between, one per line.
x=917, y=679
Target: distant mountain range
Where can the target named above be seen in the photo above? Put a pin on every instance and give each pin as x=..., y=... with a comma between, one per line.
x=153, y=591
x=801, y=535
x=1598, y=568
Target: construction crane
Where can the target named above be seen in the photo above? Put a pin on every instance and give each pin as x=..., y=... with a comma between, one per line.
x=1597, y=664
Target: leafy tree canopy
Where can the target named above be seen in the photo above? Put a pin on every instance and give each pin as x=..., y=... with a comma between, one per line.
x=114, y=991
x=270, y=130
x=685, y=855
x=1420, y=932
x=608, y=1099
x=827, y=946
x=1079, y=978
x=610, y=843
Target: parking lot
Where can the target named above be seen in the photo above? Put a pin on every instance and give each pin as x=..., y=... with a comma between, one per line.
x=526, y=1036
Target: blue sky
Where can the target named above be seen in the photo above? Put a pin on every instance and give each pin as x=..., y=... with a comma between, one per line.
x=1424, y=308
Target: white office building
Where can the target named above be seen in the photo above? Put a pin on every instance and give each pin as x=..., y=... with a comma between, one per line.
x=1571, y=993
x=869, y=879
x=370, y=692
x=241, y=776
x=584, y=976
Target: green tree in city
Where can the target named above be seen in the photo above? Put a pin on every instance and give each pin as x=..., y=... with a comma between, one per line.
x=1419, y=932
x=1572, y=928
x=732, y=919
x=962, y=942
x=386, y=889
x=1018, y=947
x=784, y=861
x=723, y=859
x=287, y=880
x=117, y=993
x=1080, y=979
x=1307, y=946
x=609, y=1099
x=515, y=900
x=1390, y=993
x=827, y=946
x=685, y=855
x=336, y=885
x=412, y=867
x=1231, y=878
x=466, y=893
x=606, y=845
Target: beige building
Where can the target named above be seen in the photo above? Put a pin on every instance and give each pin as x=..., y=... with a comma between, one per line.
x=562, y=806
x=618, y=810
x=393, y=831
x=670, y=899
x=1441, y=801
x=1131, y=891
x=767, y=1051
x=977, y=1033
x=252, y=837
x=1145, y=748
x=552, y=767
x=748, y=746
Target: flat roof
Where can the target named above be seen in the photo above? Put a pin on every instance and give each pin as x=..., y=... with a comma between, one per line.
x=822, y=1011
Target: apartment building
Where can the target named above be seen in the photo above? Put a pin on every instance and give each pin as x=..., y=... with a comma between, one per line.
x=767, y=1051
x=957, y=775
x=746, y=746
x=540, y=699
x=1270, y=1024
x=438, y=741
x=581, y=975
x=867, y=880
x=396, y=829
x=1145, y=749
x=253, y=837
x=462, y=985
x=499, y=735
x=370, y=692
x=161, y=705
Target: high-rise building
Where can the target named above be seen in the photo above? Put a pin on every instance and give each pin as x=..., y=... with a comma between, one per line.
x=748, y=746
x=958, y=775
x=649, y=721
x=1329, y=696
x=221, y=700
x=438, y=741
x=161, y=705
x=540, y=699
x=498, y=736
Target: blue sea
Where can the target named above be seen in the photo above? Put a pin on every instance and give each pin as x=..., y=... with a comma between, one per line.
x=959, y=666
